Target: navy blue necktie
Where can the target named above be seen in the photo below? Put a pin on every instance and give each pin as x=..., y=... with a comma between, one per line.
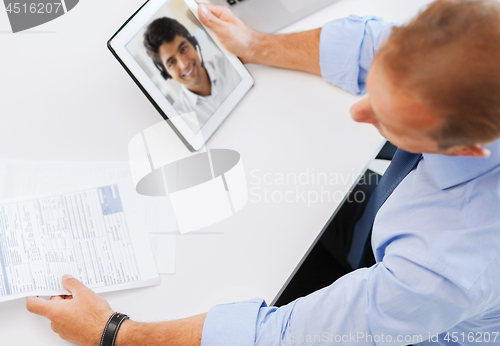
x=402, y=163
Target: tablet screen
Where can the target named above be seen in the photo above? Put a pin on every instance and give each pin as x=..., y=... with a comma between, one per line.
x=184, y=63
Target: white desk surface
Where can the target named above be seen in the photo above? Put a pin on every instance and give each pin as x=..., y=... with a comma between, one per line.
x=64, y=97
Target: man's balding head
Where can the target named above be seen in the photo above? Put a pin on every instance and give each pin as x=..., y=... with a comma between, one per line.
x=448, y=59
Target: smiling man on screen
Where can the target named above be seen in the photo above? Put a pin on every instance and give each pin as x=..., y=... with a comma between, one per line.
x=435, y=93
x=177, y=55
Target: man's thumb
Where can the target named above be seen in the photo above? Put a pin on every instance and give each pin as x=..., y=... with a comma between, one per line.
x=72, y=285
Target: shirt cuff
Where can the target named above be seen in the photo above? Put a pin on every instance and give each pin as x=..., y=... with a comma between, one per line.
x=340, y=51
x=232, y=324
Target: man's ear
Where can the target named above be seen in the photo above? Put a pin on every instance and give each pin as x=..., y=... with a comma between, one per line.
x=476, y=150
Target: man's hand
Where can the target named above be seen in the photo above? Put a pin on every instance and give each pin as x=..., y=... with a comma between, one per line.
x=299, y=51
x=79, y=318
x=235, y=35
x=82, y=316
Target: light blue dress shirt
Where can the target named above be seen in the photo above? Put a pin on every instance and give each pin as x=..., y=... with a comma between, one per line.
x=436, y=241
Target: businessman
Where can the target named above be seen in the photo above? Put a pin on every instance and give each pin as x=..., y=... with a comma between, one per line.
x=434, y=88
x=177, y=55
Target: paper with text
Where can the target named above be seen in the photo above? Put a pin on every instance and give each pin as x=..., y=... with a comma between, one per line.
x=83, y=233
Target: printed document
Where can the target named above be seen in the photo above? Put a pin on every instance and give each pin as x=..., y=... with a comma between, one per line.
x=90, y=233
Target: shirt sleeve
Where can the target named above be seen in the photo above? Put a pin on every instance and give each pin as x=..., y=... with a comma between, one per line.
x=347, y=47
x=395, y=302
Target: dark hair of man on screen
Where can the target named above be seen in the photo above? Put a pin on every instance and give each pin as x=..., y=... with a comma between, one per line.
x=164, y=30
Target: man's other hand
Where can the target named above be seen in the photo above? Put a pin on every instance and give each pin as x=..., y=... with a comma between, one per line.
x=297, y=51
x=79, y=317
x=235, y=35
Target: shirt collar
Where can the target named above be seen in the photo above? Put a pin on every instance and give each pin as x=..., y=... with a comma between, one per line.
x=213, y=75
x=449, y=171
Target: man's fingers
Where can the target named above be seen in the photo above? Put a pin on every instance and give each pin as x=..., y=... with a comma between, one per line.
x=37, y=305
x=217, y=10
x=209, y=18
x=72, y=285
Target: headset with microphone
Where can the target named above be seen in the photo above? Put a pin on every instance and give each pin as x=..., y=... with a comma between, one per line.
x=192, y=40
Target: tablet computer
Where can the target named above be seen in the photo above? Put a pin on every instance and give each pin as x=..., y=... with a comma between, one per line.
x=181, y=67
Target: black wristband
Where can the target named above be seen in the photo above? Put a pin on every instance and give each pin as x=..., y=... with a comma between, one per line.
x=111, y=329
